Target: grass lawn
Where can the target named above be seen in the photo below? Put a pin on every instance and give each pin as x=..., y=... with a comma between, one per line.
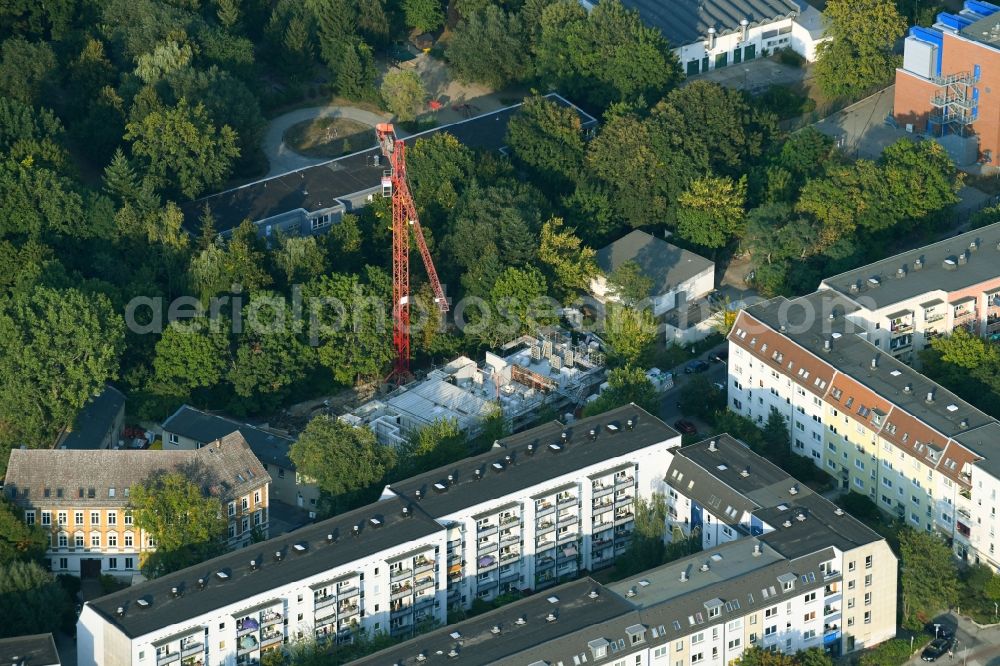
x=329, y=137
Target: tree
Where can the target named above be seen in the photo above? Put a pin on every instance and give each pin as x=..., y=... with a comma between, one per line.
x=33, y=600
x=181, y=145
x=929, y=579
x=349, y=327
x=547, y=137
x=19, y=541
x=859, y=54
x=339, y=457
x=921, y=178
x=631, y=285
x=438, y=167
x=32, y=134
x=814, y=656
x=489, y=47
x=187, y=524
x=191, y=355
x=300, y=258
x=966, y=350
x=165, y=58
x=711, y=211
x=440, y=443
x=775, y=435
x=404, y=93
x=646, y=549
x=423, y=15
x=701, y=399
x=571, y=263
x=626, y=385
x=629, y=332
x=25, y=69
x=756, y=656
x=992, y=588
x=516, y=306
x=356, y=72
x=228, y=12
x=57, y=349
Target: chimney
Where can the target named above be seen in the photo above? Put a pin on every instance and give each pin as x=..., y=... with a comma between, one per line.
x=963, y=258
x=918, y=263
x=253, y=565
x=630, y=424
x=930, y=397
x=712, y=447
x=355, y=531
x=705, y=567
x=593, y=433
x=908, y=388
x=710, y=44
x=827, y=345
x=175, y=592
x=744, y=28
x=874, y=364
x=756, y=550
x=451, y=477
x=684, y=576
x=329, y=536
x=531, y=449
x=419, y=495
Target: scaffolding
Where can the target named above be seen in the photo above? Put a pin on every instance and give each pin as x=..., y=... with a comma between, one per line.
x=955, y=103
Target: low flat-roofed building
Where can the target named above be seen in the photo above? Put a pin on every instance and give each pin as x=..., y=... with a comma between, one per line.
x=34, y=650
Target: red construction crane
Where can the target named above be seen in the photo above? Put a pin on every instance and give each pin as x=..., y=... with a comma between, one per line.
x=404, y=216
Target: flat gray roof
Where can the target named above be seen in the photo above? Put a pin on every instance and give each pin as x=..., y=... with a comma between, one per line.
x=986, y=30
x=34, y=650
x=666, y=264
x=687, y=21
x=982, y=264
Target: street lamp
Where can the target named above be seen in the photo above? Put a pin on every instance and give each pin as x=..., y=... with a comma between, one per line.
x=936, y=627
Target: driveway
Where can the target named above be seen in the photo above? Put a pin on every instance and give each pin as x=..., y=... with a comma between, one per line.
x=755, y=76
x=669, y=412
x=860, y=130
x=974, y=647
x=283, y=159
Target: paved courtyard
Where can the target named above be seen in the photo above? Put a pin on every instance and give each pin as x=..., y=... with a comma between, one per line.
x=755, y=76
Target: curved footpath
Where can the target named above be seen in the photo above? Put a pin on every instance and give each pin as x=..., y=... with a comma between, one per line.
x=282, y=159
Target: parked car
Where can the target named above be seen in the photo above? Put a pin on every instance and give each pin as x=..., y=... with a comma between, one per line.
x=695, y=366
x=936, y=649
x=685, y=427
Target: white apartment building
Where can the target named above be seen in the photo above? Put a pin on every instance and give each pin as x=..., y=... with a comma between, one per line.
x=812, y=576
x=472, y=529
x=918, y=451
x=906, y=300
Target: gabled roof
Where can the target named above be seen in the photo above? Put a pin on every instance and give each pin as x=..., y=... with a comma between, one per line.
x=666, y=264
x=95, y=419
x=270, y=447
x=226, y=469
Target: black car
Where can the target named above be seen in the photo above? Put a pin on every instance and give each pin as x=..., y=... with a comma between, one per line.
x=695, y=366
x=937, y=648
x=685, y=427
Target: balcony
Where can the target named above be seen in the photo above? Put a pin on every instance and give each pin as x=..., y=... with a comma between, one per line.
x=422, y=565
x=544, y=527
x=192, y=649
x=423, y=602
x=567, y=537
x=487, y=563
x=625, y=481
x=544, y=563
x=400, y=574
x=830, y=610
x=544, y=509
x=400, y=610
x=545, y=544
x=269, y=618
x=271, y=639
x=508, y=576
x=606, y=501
x=510, y=538
x=323, y=602
x=567, y=500
x=510, y=557
x=424, y=583
x=510, y=520
x=346, y=611
x=487, y=548
x=602, y=491
x=348, y=592
x=568, y=519
x=621, y=518
x=167, y=658
x=400, y=592
x=623, y=501
x=488, y=530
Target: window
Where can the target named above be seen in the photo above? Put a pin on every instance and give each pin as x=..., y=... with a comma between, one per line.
x=245, y=503
x=850, y=602
x=679, y=645
x=46, y=518
x=695, y=658
x=63, y=563
x=29, y=517
x=850, y=622
x=128, y=540
x=770, y=631
x=112, y=517
x=63, y=541
x=232, y=509
x=809, y=617
x=112, y=540
x=113, y=564
x=868, y=598
x=78, y=518
x=95, y=540
x=810, y=597
x=95, y=517
x=698, y=638
x=130, y=563
x=868, y=562
x=172, y=438
x=245, y=525
x=256, y=497
x=850, y=565
x=868, y=580
x=735, y=643
x=770, y=612
x=809, y=635
x=868, y=617
x=660, y=652
x=78, y=540
x=128, y=517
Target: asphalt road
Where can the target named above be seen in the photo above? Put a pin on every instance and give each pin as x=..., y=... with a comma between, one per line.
x=975, y=646
x=668, y=404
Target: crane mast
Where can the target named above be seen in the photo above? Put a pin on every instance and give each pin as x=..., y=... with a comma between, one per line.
x=404, y=216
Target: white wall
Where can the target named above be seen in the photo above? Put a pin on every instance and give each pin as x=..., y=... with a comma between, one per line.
x=728, y=43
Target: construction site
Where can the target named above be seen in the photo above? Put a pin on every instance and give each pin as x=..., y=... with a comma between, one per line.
x=530, y=372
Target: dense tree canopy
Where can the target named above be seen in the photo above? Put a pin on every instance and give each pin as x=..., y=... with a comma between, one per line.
x=929, y=582
x=339, y=457
x=859, y=56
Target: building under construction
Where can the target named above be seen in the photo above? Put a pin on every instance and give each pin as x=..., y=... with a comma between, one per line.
x=530, y=372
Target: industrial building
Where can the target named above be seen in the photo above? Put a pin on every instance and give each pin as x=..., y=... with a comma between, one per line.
x=796, y=573
x=873, y=423
x=310, y=200
x=548, y=369
x=711, y=34
x=944, y=88
x=536, y=510
x=903, y=302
